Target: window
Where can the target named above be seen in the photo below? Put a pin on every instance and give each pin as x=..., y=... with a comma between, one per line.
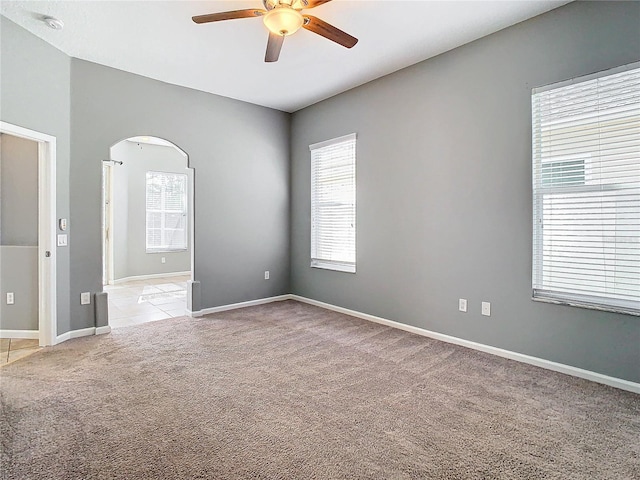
x=166, y=211
x=333, y=204
x=586, y=191
x=565, y=172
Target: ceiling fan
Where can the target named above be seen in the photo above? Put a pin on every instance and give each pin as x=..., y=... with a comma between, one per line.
x=283, y=18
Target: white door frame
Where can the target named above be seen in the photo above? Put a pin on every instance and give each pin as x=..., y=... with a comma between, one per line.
x=107, y=219
x=47, y=304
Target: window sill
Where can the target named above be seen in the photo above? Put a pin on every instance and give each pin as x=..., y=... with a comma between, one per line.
x=589, y=306
x=175, y=250
x=338, y=267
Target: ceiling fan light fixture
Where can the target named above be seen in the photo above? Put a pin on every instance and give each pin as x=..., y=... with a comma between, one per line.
x=283, y=20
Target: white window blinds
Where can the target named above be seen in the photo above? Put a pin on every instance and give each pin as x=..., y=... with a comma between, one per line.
x=333, y=204
x=166, y=228
x=586, y=191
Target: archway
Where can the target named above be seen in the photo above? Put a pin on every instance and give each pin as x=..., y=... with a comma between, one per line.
x=147, y=230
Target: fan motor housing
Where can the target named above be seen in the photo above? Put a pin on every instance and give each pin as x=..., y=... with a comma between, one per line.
x=295, y=4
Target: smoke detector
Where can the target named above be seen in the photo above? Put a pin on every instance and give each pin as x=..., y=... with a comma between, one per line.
x=53, y=23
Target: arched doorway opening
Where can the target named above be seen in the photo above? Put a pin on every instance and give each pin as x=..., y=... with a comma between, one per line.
x=147, y=230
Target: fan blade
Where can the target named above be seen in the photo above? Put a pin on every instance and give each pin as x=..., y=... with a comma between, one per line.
x=274, y=45
x=216, y=17
x=315, y=3
x=327, y=30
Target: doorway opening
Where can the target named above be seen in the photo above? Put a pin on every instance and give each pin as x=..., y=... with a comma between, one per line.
x=147, y=230
x=27, y=252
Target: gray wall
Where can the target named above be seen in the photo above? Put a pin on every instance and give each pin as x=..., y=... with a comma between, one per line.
x=19, y=274
x=34, y=93
x=18, y=233
x=129, y=209
x=240, y=153
x=444, y=190
x=18, y=191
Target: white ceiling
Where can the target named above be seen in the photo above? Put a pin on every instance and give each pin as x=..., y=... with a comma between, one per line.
x=157, y=39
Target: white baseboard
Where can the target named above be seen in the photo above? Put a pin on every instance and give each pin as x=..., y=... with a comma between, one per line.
x=83, y=332
x=150, y=276
x=31, y=334
x=519, y=357
x=233, y=306
x=103, y=330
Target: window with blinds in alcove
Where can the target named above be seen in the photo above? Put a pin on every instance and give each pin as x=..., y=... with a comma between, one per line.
x=333, y=204
x=586, y=191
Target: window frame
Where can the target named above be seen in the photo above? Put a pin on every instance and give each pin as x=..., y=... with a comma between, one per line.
x=594, y=301
x=338, y=265
x=162, y=211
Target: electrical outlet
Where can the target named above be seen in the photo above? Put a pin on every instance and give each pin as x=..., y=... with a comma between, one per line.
x=163, y=260
x=486, y=309
x=462, y=304
x=266, y=274
x=10, y=298
x=85, y=298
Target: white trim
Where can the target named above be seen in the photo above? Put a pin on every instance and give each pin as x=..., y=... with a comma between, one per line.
x=47, y=288
x=233, y=306
x=585, y=78
x=335, y=266
x=22, y=132
x=47, y=241
x=155, y=141
x=107, y=211
x=519, y=357
x=191, y=183
x=559, y=299
x=333, y=141
x=83, y=332
x=62, y=338
x=103, y=330
x=33, y=334
x=147, y=277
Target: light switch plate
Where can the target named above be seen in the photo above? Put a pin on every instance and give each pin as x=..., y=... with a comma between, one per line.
x=462, y=304
x=85, y=298
x=486, y=309
x=62, y=240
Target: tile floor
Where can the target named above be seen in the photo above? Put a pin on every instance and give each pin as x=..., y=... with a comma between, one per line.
x=130, y=303
x=12, y=349
x=142, y=301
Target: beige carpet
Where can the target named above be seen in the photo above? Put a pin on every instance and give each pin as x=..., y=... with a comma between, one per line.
x=287, y=390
